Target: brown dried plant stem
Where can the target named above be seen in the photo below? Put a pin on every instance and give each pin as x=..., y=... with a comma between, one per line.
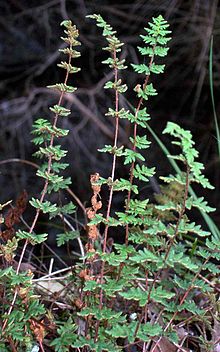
x=114, y=156
x=111, y=188
x=43, y=194
x=112, y=173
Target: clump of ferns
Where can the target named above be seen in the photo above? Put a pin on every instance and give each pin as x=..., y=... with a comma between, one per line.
x=134, y=292
x=153, y=270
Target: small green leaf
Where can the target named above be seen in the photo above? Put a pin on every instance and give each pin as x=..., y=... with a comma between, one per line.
x=32, y=238
x=45, y=207
x=65, y=237
x=60, y=110
x=62, y=87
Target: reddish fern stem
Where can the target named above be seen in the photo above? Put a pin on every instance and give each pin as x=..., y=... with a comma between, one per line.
x=114, y=156
x=134, y=145
x=112, y=176
x=110, y=193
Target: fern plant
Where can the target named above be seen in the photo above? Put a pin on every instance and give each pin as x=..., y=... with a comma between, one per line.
x=21, y=309
x=130, y=296
x=153, y=273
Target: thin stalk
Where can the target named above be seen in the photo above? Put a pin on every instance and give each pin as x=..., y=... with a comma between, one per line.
x=111, y=191
x=140, y=102
x=145, y=309
x=114, y=156
x=112, y=178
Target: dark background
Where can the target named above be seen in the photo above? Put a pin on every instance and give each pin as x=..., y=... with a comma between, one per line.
x=29, y=41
